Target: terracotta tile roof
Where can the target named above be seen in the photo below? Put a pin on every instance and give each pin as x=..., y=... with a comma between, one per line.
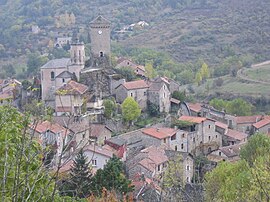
x=195, y=107
x=135, y=85
x=248, y=119
x=236, y=134
x=221, y=125
x=63, y=109
x=262, y=123
x=159, y=133
x=155, y=157
x=232, y=150
x=42, y=127
x=97, y=129
x=72, y=87
x=98, y=150
x=173, y=100
x=155, y=85
x=192, y=119
x=6, y=95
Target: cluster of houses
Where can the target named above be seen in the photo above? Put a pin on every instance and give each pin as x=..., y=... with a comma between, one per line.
x=76, y=92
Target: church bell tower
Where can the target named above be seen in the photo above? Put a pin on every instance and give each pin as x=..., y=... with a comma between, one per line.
x=100, y=35
x=77, y=58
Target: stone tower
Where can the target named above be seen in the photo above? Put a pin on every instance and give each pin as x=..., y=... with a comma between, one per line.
x=77, y=58
x=100, y=34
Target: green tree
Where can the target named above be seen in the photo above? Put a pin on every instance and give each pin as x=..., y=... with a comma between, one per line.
x=34, y=62
x=9, y=70
x=173, y=182
x=179, y=95
x=130, y=109
x=127, y=73
x=150, y=71
x=153, y=109
x=110, y=107
x=239, y=107
x=79, y=182
x=204, y=71
x=198, y=78
x=112, y=178
x=245, y=180
x=22, y=174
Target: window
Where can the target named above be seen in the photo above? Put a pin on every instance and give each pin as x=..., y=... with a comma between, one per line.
x=209, y=126
x=187, y=179
x=164, y=95
x=173, y=137
x=158, y=168
x=79, y=52
x=127, y=63
x=101, y=54
x=182, y=146
x=187, y=167
x=52, y=75
x=175, y=148
x=63, y=80
x=183, y=135
x=144, y=93
x=131, y=94
x=83, y=136
x=216, y=136
x=219, y=153
x=94, y=162
x=194, y=139
x=209, y=138
x=164, y=140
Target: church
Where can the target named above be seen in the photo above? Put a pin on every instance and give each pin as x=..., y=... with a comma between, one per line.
x=67, y=78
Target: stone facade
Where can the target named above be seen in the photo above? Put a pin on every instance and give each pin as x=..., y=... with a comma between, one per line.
x=49, y=72
x=100, y=33
x=159, y=94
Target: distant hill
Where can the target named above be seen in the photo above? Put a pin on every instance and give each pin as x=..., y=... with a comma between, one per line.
x=188, y=29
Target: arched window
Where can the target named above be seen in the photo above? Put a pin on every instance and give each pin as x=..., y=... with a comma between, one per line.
x=52, y=75
x=101, y=54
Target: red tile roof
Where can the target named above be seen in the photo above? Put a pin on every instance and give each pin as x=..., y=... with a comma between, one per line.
x=248, y=119
x=99, y=150
x=6, y=95
x=135, y=85
x=97, y=129
x=236, y=134
x=195, y=107
x=221, y=125
x=72, y=87
x=262, y=123
x=192, y=119
x=42, y=127
x=155, y=157
x=159, y=133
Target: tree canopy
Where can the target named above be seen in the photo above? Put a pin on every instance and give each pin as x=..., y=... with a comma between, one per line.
x=245, y=180
x=130, y=109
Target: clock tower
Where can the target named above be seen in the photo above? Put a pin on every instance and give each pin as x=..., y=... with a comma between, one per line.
x=100, y=35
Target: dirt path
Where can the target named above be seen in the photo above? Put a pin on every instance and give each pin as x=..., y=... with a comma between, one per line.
x=242, y=75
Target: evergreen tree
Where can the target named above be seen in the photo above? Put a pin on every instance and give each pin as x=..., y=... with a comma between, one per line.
x=111, y=178
x=79, y=181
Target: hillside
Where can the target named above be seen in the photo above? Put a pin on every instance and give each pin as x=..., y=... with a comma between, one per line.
x=208, y=29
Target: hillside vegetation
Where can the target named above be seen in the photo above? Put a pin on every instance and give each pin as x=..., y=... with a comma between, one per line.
x=187, y=29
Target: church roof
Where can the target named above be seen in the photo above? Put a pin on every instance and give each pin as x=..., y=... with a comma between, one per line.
x=57, y=63
x=72, y=88
x=65, y=74
x=100, y=20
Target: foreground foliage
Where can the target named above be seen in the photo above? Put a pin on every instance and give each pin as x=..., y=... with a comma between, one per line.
x=245, y=180
x=22, y=174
